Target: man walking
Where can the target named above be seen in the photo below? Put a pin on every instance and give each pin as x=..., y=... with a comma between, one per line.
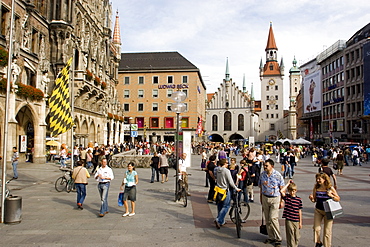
x=270, y=183
x=224, y=181
x=15, y=158
x=104, y=176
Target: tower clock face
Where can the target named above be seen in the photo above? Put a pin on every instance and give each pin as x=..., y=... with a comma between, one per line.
x=271, y=82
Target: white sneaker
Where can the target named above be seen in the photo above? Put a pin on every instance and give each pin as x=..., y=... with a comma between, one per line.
x=125, y=214
x=132, y=214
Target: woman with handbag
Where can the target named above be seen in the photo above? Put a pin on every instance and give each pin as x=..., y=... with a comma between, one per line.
x=323, y=191
x=128, y=185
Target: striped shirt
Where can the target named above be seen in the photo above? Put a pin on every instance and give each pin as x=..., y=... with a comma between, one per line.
x=292, y=207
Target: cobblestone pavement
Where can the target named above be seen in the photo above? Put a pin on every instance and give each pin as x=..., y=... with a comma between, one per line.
x=51, y=218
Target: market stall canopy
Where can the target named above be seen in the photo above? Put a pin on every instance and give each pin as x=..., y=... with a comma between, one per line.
x=53, y=143
x=283, y=141
x=301, y=141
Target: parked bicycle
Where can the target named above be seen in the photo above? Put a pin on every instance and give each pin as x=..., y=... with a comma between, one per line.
x=117, y=162
x=7, y=192
x=238, y=214
x=65, y=182
x=182, y=193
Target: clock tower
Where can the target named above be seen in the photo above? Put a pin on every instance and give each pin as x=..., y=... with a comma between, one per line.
x=272, y=94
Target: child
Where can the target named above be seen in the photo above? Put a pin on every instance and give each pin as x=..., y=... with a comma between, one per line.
x=292, y=214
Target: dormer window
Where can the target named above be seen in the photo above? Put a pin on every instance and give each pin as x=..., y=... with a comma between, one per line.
x=271, y=67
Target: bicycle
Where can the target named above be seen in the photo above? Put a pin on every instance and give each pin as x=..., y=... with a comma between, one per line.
x=182, y=193
x=237, y=214
x=116, y=162
x=65, y=182
x=7, y=192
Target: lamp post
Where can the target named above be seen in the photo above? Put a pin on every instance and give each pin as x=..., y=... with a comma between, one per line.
x=178, y=107
x=129, y=121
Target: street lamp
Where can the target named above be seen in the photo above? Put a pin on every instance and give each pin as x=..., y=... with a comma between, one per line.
x=178, y=107
x=129, y=121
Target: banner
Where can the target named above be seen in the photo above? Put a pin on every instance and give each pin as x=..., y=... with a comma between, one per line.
x=312, y=92
x=60, y=114
x=366, y=87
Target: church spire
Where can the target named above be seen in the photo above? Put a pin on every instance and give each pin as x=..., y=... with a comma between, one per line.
x=252, y=93
x=117, y=32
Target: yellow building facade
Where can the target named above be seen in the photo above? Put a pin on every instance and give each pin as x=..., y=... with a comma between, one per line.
x=146, y=83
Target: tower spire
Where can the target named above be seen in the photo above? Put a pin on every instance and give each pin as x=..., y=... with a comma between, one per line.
x=244, y=87
x=117, y=32
x=271, y=44
x=227, y=73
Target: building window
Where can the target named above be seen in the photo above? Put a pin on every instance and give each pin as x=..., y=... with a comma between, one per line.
x=126, y=107
x=214, y=123
x=186, y=107
x=277, y=115
x=126, y=94
x=170, y=79
x=276, y=97
x=276, y=107
x=267, y=115
x=155, y=93
x=155, y=107
x=169, y=106
x=186, y=92
x=169, y=123
x=154, y=122
x=34, y=42
x=4, y=19
x=169, y=93
x=140, y=93
x=185, y=122
x=272, y=115
x=267, y=107
x=127, y=80
x=140, y=122
x=267, y=97
x=140, y=107
x=240, y=122
x=141, y=79
x=227, y=121
x=272, y=126
x=267, y=88
x=155, y=79
x=184, y=79
x=271, y=67
x=276, y=87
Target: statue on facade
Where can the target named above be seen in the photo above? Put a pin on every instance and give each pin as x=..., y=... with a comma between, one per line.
x=16, y=70
x=45, y=82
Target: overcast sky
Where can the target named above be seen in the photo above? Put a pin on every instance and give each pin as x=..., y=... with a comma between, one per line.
x=206, y=32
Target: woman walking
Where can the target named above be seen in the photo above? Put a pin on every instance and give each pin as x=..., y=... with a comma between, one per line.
x=128, y=185
x=155, y=167
x=322, y=191
x=80, y=175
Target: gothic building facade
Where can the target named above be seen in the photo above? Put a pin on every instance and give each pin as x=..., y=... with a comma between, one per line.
x=231, y=113
x=45, y=35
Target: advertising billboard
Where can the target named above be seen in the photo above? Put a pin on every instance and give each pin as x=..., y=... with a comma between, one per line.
x=366, y=67
x=312, y=92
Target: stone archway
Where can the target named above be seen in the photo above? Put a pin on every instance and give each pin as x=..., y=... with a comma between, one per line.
x=25, y=126
x=216, y=138
x=92, y=137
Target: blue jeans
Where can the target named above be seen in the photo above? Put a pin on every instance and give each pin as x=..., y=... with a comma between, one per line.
x=89, y=164
x=242, y=186
x=81, y=192
x=103, y=191
x=223, y=208
x=62, y=162
x=287, y=171
x=15, y=171
x=154, y=171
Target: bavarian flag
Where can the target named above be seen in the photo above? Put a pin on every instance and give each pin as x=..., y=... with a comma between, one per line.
x=60, y=116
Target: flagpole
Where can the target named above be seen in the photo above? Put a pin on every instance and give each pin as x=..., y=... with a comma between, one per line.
x=71, y=85
x=5, y=140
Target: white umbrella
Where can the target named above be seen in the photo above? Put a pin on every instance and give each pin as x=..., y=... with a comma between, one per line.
x=301, y=141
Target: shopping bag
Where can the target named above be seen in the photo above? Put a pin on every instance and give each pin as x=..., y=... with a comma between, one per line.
x=120, y=199
x=333, y=209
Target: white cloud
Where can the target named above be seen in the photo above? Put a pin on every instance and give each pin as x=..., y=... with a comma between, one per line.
x=208, y=31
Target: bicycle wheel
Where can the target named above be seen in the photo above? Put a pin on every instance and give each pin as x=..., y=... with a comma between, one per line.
x=245, y=211
x=61, y=184
x=184, y=197
x=238, y=222
x=70, y=185
x=231, y=213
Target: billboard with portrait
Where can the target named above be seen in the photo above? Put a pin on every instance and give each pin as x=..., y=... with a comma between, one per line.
x=366, y=67
x=312, y=92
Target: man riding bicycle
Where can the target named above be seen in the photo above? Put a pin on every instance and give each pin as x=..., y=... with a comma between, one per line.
x=182, y=172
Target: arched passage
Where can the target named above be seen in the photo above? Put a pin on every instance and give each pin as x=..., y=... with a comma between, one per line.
x=216, y=138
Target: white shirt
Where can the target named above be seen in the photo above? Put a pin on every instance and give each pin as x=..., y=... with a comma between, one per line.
x=182, y=166
x=105, y=172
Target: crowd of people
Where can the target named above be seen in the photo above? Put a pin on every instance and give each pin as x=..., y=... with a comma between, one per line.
x=277, y=189
x=225, y=172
